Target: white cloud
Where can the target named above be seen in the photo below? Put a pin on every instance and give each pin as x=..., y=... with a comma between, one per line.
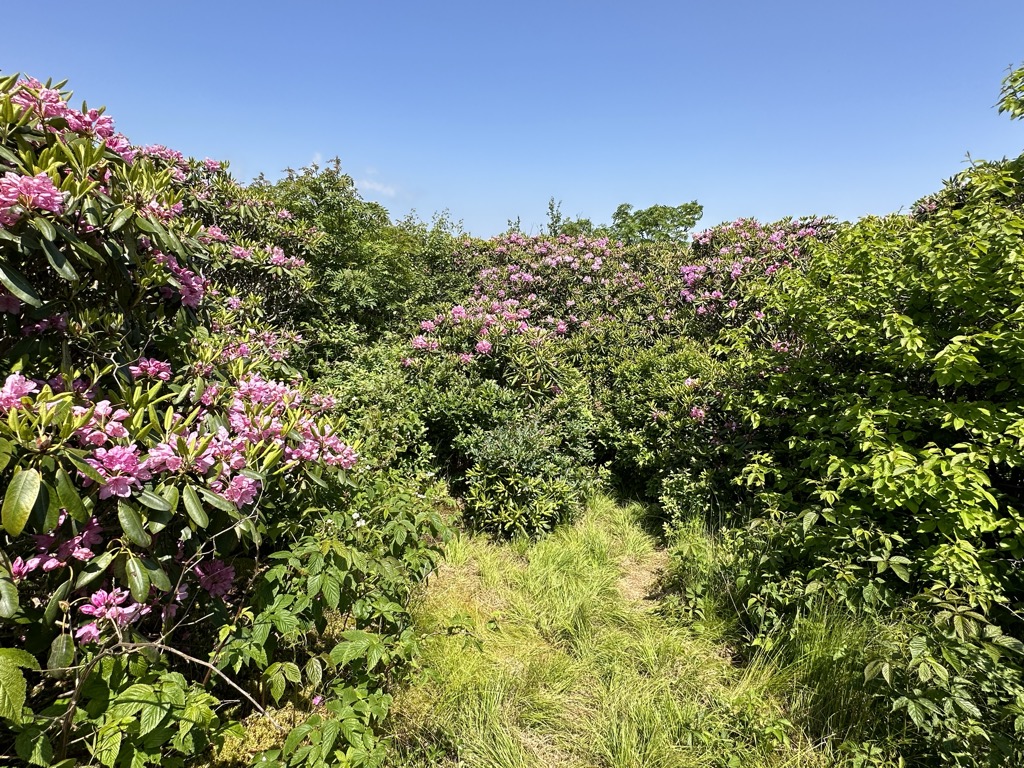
x=369, y=185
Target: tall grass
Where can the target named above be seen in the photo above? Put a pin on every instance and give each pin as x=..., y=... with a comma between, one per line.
x=559, y=665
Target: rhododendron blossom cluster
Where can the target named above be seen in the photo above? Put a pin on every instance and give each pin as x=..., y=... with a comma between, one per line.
x=22, y=194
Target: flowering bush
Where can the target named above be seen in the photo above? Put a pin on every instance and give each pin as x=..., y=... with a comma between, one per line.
x=156, y=445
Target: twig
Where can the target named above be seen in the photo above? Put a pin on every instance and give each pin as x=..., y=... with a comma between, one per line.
x=210, y=667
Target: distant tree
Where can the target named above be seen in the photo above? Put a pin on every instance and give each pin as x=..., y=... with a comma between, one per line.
x=558, y=224
x=657, y=224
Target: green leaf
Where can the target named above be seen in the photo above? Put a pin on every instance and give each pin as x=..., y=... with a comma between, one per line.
x=34, y=747
x=45, y=228
x=331, y=591
x=62, y=652
x=53, y=606
x=157, y=575
x=9, y=605
x=218, y=501
x=132, y=525
x=194, y=507
x=19, y=658
x=151, y=715
x=94, y=569
x=138, y=579
x=170, y=495
x=16, y=283
x=12, y=691
x=108, y=743
x=69, y=499
x=120, y=219
x=59, y=261
x=153, y=501
x=20, y=498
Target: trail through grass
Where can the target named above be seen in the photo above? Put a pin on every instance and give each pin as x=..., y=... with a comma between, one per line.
x=562, y=662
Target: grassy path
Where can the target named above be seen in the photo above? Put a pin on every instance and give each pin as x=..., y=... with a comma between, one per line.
x=563, y=663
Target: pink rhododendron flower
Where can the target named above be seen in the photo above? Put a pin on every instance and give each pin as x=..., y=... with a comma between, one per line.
x=241, y=491
x=151, y=369
x=22, y=568
x=163, y=458
x=215, y=577
x=484, y=347
x=19, y=194
x=697, y=413
x=120, y=469
x=103, y=604
x=120, y=145
x=14, y=389
x=88, y=633
x=214, y=234
x=9, y=303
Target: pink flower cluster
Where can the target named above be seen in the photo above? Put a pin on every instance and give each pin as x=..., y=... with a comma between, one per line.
x=52, y=555
x=9, y=303
x=148, y=368
x=191, y=286
x=47, y=103
x=105, y=423
x=20, y=194
x=216, y=577
x=120, y=469
x=14, y=389
x=109, y=606
x=278, y=259
x=213, y=235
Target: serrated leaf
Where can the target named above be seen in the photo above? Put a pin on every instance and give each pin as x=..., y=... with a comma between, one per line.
x=19, y=658
x=314, y=672
x=331, y=591
x=34, y=747
x=150, y=717
x=108, y=744
x=12, y=691
x=20, y=498
x=328, y=735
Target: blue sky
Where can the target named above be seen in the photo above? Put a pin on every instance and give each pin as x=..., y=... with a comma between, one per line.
x=486, y=109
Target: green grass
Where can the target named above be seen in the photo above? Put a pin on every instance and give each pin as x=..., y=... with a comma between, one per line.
x=562, y=662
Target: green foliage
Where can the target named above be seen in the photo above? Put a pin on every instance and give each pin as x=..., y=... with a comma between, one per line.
x=183, y=541
x=657, y=224
x=1011, y=97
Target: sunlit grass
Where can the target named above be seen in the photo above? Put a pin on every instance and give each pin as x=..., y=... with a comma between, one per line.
x=560, y=664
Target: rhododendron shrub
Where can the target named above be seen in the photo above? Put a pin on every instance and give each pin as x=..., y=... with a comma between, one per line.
x=158, y=443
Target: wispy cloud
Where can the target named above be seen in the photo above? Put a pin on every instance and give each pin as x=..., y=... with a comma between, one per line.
x=369, y=185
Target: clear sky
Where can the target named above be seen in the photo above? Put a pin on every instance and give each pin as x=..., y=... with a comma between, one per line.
x=487, y=109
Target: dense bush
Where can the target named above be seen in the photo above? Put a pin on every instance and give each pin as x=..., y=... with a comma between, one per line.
x=182, y=524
